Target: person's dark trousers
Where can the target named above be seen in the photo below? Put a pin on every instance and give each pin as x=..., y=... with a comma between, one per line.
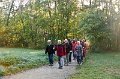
x=59, y=62
x=67, y=58
x=79, y=60
x=74, y=55
x=50, y=57
x=70, y=56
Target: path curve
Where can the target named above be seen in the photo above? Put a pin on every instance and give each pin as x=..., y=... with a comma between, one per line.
x=45, y=72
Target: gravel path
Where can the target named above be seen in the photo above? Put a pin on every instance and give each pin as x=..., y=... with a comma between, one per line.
x=45, y=72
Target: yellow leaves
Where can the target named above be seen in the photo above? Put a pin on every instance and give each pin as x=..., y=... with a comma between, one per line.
x=14, y=38
x=88, y=43
x=19, y=25
x=69, y=34
x=2, y=30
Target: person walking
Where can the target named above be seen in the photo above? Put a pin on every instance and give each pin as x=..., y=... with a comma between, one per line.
x=67, y=49
x=70, y=55
x=50, y=51
x=78, y=51
x=84, y=46
x=73, y=47
x=60, y=53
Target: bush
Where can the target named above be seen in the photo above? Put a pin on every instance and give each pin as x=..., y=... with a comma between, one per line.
x=10, y=60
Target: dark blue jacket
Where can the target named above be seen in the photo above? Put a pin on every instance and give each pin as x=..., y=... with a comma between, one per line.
x=49, y=49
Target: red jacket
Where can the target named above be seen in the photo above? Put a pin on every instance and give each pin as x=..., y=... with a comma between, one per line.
x=60, y=50
x=73, y=45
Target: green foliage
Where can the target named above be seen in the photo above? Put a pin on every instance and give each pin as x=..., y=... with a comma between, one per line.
x=93, y=24
x=31, y=26
x=9, y=60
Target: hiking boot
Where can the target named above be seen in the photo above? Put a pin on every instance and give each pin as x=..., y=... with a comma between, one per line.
x=69, y=62
x=65, y=64
x=60, y=68
x=51, y=65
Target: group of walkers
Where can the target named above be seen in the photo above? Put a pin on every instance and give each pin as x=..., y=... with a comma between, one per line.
x=65, y=51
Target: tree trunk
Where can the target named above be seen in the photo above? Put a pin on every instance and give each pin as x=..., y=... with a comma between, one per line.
x=10, y=12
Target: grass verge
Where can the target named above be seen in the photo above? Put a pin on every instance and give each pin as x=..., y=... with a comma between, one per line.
x=99, y=66
x=13, y=60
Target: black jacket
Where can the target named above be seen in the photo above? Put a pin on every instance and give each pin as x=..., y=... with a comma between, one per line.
x=49, y=49
x=67, y=47
x=70, y=43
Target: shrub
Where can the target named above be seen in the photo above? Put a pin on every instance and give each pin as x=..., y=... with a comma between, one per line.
x=10, y=60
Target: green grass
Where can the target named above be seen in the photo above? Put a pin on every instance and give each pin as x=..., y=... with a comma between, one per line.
x=13, y=60
x=99, y=66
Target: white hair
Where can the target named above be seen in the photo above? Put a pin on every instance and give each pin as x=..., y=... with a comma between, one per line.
x=66, y=41
x=59, y=41
x=49, y=41
x=78, y=42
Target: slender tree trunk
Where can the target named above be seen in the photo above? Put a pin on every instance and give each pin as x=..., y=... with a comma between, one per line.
x=90, y=2
x=68, y=15
x=10, y=12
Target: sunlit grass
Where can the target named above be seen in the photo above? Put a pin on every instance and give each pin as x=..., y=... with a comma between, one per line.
x=13, y=60
x=99, y=66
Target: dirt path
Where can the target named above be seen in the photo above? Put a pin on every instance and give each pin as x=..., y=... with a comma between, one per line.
x=45, y=72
